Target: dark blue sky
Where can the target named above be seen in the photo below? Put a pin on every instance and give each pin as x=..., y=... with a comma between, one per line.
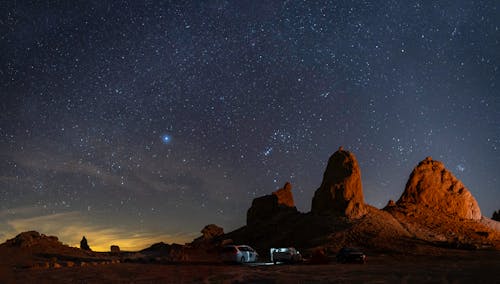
x=251, y=94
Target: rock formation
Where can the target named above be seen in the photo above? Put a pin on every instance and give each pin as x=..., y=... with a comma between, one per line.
x=341, y=192
x=160, y=247
x=390, y=204
x=31, y=238
x=212, y=231
x=496, y=216
x=212, y=237
x=84, y=245
x=432, y=186
x=115, y=249
x=285, y=196
x=265, y=207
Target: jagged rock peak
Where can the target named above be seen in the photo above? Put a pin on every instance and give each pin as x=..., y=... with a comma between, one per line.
x=432, y=186
x=341, y=191
x=265, y=207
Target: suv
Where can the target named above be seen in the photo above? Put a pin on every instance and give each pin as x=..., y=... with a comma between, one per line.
x=289, y=255
x=239, y=253
x=351, y=255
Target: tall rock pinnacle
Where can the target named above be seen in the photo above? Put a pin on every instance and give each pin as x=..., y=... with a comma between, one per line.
x=341, y=191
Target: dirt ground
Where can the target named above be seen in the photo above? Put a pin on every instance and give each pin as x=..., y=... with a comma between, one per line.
x=455, y=267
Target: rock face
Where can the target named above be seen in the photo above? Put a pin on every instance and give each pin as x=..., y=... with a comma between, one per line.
x=84, y=245
x=341, y=192
x=433, y=187
x=496, y=215
x=265, y=207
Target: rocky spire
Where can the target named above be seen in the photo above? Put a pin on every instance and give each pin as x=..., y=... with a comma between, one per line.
x=84, y=245
x=341, y=191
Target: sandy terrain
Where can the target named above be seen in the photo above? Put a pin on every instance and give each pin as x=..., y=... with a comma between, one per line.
x=454, y=267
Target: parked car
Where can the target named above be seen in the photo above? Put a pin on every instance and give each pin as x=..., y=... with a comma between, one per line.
x=289, y=255
x=351, y=255
x=239, y=253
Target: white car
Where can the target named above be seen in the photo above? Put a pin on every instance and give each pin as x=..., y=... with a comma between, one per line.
x=289, y=255
x=239, y=253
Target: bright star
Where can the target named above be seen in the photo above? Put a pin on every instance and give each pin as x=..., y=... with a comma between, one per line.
x=165, y=139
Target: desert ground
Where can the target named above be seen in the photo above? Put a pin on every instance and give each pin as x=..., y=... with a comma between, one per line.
x=456, y=266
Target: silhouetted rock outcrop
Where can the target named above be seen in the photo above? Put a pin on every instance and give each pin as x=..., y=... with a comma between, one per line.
x=496, y=215
x=161, y=248
x=115, y=249
x=432, y=186
x=84, y=245
x=31, y=238
x=167, y=252
x=390, y=204
x=210, y=236
x=341, y=191
x=278, y=204
x=212, y=231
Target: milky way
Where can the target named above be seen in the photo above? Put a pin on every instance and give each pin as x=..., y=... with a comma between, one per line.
x=135, y=122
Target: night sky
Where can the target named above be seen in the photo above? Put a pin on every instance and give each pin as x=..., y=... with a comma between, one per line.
x=133, y=122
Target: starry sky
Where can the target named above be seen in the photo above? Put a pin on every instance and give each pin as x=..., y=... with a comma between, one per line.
x=133, y=122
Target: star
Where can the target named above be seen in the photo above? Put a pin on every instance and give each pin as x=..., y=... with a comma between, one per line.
x=165, y=138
